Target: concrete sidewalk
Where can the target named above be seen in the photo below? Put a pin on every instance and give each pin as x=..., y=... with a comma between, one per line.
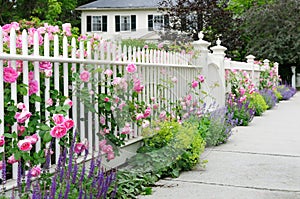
x=260, y=161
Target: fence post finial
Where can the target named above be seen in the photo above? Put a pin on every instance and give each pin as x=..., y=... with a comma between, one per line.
x=250, y=59
x=218, y=49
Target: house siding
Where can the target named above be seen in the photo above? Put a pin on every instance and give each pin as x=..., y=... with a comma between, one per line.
x=141, y=22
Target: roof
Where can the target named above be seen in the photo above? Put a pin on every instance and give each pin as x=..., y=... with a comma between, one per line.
x=119, y=4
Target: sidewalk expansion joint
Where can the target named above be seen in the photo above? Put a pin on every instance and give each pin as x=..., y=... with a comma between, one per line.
x=256, y=153
x=235, y=186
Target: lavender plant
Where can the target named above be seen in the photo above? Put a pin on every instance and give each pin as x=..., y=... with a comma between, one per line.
x=286, y=91
x=269, y=97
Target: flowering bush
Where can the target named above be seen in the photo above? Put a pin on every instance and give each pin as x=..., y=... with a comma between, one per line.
x=286, y=91
x=257, y=103
x=269, y=96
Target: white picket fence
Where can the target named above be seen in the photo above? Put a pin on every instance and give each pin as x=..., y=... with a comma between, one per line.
x=153, y=65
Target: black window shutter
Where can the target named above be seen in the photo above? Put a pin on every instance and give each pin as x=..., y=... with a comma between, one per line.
x=166, y=22
x=150, y=22
x=88, y=23
x=133, y=23
x=117, y=18
x=104, y=23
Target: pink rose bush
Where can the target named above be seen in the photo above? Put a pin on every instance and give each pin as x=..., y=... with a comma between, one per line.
x=10, y=75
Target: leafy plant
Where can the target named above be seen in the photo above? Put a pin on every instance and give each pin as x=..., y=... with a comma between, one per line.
x=257, y=103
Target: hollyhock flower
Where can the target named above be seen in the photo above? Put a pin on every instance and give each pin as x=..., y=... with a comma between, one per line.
x=45, y=65
x=195, y=83
x=33, y=87
x=23, y=116
x=10, y=75
x=11, y=159
x=102, y=120
x=147, y=112
x=108, y=72
x=35, y=171
x=69, y=123
x=85, y=76
x=145, y=123
x=126, y=129
x=139, y=116
x=67, y=29
x=33, y=138
x=58, y=131
x=68, y=102
x=2, y=140
x=49, y=102
x=21, y=106
x=24, y=145
x=131, y=68
x=79, y=147
x=48, y=73
x=21, y=130
x=58, y=118
x=201, y=78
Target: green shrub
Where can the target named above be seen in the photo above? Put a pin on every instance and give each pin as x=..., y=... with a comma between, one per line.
x=278, y=95
x=258, y=103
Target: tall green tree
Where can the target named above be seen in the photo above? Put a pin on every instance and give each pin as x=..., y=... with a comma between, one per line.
x=274, y=32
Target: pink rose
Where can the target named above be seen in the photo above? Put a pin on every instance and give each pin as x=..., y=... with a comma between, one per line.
x=1, y=165
x=108, y=72
x=110, y=156
x=11, y=159
x=45, y=65
x=106, y=99
x=31, y=75
x=139, y=116
x=147, y=112
x=68, y=102
x=145, y=123
x=146, y=46
x=242, y=99
x=201, y=78
x=160, y=45
x=79, y=147
x=102, y=120
x=33, y=139
x=163, y=115
x=58, y=131
x=195, y=84
x=104, y=131
x=21, y=130
x=85, y=76
x=102, y=143
x=10, y=75
x=23, y=116
x=21, y=106
x=121, y=105
x=48, y=73
x=49, y=102
x=2, y=140
x=58, y=118
x=242, y=91
x=35, y=171
x=155, y=106
x=137, y=87
x=67, y=29
x=33, y=87
x=24, y=145
x=131, y=68
x=126, y=129
x=69, y=123
x=107, y=149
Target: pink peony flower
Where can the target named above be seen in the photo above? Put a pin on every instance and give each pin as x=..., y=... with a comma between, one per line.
x=79, y=147
x=58, y=131
x=58, y=118
x=108, y=72
x=10, y=75
x=131, y=68
x=69, y=123
x=33, y=138
x=68, y=102
x=195, y=83
x=139, y=116
x=33, y=87
x=11, y=159
x=24, y=145
x=201, y=78
x=45, y=65
x=2, y=140
x=35, y=171
x=85, y=76
x=23, y=116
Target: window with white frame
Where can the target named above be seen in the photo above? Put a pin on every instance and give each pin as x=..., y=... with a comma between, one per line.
x=158, y=22
x=125, y=23
x=97, y=23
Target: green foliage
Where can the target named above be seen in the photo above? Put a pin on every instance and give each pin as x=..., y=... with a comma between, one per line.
x=257, y=103
x=277, y=94
x=138, y=43
x=239, y=7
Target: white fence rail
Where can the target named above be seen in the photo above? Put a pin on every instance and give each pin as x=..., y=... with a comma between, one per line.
x=153, y=65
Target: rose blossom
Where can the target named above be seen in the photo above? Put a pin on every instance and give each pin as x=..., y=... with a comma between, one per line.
x=21, y=106
x=49, y=102
x=24, y=145
x=201, y=78
x=85, y=76
x=106, y=99
x=102, y=120
x=23, y=116
x=108, y=72
x=33, y=139
x=58, y=131
x=35, y=171
x=11, y=159
x=110, y=156
x=107, y=149
x=68, y=102
x=2, y=140
x=48, y=73
x=30, y=75
x=67, y=29
x=58, y=118
x=69, y=123
x=126, y=129
x=10, y=75
x=147, y=112
x=195, y=84
x=45, y=65
x=102, y=143
x=21, y=130
x=139, y=116
x=79, y=147
x=104, y=131
x=163, y=115
x=1, y=165
x=33, y=87
x=131, y=68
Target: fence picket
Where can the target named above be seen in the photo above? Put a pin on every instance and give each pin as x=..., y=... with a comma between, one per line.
x=90, y=122
x=1, y=90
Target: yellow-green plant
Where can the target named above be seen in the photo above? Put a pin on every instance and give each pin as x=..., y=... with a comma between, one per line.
x=257, y=103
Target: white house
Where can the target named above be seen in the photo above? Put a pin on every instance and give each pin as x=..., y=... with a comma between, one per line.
x=123, y=18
